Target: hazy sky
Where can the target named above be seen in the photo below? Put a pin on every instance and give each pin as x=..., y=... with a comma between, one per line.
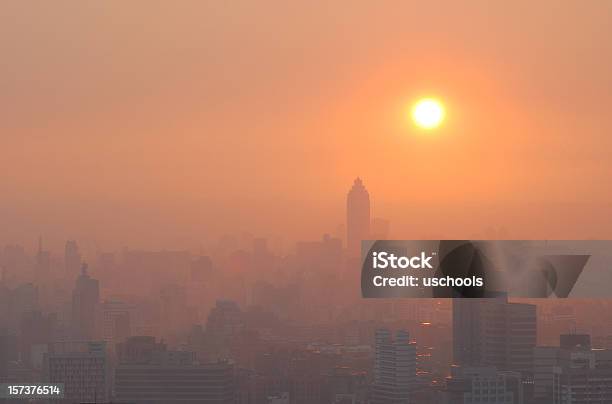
x=164, y=123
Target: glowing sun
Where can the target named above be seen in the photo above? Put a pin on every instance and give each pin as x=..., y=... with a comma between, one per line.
x=428, y=113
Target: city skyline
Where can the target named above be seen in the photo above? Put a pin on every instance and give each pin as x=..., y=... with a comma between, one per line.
x=186, y=189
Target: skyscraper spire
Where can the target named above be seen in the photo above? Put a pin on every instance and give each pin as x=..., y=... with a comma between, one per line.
x=357, y=217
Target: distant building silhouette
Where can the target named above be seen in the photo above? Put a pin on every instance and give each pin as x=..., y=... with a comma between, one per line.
x=72, y=259
x=116, y=321
x=145, y=350
x=357, y=217
x=22, y=299
x=139, y=350
x=225, y=319
x=43, y=261
x=36, y=328
x=9, y=351
x=325, y=254
x=85, y=298
x=15, y=262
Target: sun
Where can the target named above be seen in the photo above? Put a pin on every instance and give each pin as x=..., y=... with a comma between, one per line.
x=428, y=113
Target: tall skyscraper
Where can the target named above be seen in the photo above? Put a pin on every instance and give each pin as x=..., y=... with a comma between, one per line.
x=493, y=332
x=72, y=258
x=394, y=368
x=357, y=217
x=85, y=297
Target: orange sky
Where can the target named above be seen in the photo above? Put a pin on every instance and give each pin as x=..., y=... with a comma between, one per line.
x=158, y=123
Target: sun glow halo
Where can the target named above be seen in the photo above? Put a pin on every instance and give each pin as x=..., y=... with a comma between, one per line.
x=428, y=113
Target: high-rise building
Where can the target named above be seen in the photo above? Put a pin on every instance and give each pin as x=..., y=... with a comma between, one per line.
x=347, y=385
x=36, y=328
x=85, y=297
x=572, y=372
x=72, y=259
x=357, y=217
x=9, y=351
x=584, y=385
x=493, y=332
x=545, y=379
x=394, y=368
x=82, y=368
x=472, y=385
x=116, y=321
x=24, y=298
x=148, y=373
x=521, y=323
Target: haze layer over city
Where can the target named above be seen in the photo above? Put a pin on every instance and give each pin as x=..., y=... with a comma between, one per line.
x=163, y=125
